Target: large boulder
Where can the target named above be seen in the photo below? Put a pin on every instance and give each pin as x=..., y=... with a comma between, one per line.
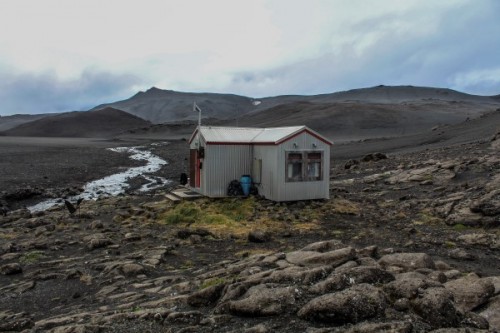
x=470, y=291
x=313, y=258
x=324, y=246
x=132, y=269
x=266, y=300
x=407, y=261
x=488, y=204
x=258, y=236
x=435, y=305
x=351, y=305
x=297, y=274
x=408, y=287
x=97, y=241
x=11, y=269
x=350, y=276
x=206, y=296
x=491, y=313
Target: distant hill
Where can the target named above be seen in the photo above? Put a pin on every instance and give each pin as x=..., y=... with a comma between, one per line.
x=400, y=94
x=8, y=122
x=160, y=106
x=355, y=120
x=101, y=123
x=381, y=111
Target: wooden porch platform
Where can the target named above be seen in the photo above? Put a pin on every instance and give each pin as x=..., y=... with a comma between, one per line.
x=182, y=193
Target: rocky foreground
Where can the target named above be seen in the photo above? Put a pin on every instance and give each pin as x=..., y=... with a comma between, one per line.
x=407, y=243
x=323, y=287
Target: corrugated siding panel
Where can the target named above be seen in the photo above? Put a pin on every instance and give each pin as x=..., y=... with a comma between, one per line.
x=221, y=165
x=269, y=179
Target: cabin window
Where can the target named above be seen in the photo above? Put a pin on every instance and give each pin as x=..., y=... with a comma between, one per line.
x=304, y=166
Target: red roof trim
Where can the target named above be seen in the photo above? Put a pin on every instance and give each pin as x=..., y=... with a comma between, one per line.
x=240, y=143
x=317, y=136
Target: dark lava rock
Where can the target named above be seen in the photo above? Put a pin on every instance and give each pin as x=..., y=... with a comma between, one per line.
x=98, y=242
x=351, y=305
x=11, y=269
x=206, y=296
x=436, y=306
x=264, y=300
x=407, y=261
x=351, y=163
x=185, y=233
x=374, y=157
x=257, y=236
x=23, y=194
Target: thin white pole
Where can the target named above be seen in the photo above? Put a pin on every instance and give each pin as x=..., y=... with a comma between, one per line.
x=197, y=108
x=199, y=117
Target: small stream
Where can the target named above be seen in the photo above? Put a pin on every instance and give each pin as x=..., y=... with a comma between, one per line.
x=117, y=184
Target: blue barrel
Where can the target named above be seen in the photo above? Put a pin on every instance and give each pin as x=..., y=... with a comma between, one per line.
x=246, y=182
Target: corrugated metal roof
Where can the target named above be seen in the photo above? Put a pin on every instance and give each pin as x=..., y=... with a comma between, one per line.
x=217, y=134
x=275, y=134
x=229, y=134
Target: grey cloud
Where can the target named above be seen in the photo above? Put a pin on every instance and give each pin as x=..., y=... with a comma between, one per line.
x=467, y=40
x=46, y=93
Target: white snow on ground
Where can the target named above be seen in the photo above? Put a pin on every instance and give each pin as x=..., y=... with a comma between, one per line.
x=117, y=184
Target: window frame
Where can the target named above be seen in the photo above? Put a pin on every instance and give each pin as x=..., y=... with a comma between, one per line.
x=305, y=163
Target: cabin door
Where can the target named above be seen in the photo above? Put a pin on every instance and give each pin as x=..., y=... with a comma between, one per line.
x=194, y=168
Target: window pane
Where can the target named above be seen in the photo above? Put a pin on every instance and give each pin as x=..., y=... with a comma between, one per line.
x=313, y=170
x=294, y=171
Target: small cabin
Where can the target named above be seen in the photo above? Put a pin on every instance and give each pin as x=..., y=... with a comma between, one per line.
x=285, y=163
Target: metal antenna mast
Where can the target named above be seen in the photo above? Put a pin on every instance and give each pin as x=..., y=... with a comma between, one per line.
x=196, y=108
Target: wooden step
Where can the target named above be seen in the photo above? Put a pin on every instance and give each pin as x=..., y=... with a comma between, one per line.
x=185, y=194
x=172, y=197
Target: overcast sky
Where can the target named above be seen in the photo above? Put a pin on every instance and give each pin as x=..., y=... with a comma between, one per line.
x=62, y=55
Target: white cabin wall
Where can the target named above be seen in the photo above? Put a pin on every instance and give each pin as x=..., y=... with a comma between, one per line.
x=222, y=164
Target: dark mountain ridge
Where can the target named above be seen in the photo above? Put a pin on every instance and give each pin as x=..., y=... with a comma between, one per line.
x=159, y=106
x=100, y=123
x=8, y=122
x=382, y=111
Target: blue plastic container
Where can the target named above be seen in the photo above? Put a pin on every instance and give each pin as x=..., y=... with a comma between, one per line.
x=246, y=183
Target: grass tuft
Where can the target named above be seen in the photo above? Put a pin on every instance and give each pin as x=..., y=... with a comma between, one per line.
x=32, y=257
x=342, y=206
x=426, y=217
x=460, y=227
x=236, y=217
x=212, y=282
